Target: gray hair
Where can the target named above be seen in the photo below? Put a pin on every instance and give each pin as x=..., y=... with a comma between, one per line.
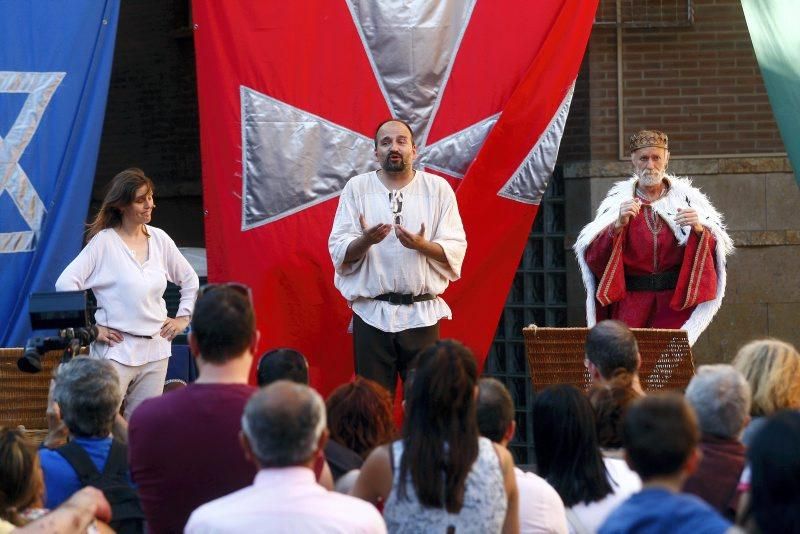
x=283, y=423
x=720, y=396
x=87, y=392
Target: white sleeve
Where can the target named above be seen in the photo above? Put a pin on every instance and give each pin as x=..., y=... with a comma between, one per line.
x=449, y=233
x=346, y=228
x=180, y=273
x=77, y=276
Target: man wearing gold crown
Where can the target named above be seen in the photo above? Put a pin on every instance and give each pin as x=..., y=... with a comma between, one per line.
x=654, y=256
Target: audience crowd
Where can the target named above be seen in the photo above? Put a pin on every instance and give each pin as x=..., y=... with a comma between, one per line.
x=220, y=455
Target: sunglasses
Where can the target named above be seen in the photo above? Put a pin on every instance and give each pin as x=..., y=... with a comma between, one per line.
x=235, y=286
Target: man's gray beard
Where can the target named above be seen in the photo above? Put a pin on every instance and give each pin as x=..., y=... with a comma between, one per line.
x=645, y=181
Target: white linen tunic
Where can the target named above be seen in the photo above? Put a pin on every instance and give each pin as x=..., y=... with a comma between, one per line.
x=129, y=294
x=389, y=267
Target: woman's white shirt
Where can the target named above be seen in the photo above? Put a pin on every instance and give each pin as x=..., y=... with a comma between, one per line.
x=130, y=294
x=624, y=482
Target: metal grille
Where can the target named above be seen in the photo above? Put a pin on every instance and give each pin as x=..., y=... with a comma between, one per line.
x=538, y=295
x=646, y=13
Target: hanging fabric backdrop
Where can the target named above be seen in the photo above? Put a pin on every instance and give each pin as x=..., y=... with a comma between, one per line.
x=290, y=95
x=55, y=65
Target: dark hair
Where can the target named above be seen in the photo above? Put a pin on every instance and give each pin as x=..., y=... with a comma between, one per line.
x=223, y=324
x=775, y=473
x=610, y=402
x=282, y=364
x=440, y=411
x=121, y=194
x=360, y=416
x=21, y=483
x=610, y=345
x=387, y=121
x=495, y=409
x=567, y=452
x=659, y=434
x=87, y=392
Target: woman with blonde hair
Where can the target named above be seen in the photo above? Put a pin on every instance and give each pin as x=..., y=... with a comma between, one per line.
x=772, y=368
x=127, y=264
x=21, y=481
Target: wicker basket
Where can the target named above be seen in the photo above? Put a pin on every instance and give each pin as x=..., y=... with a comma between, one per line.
x=23, y=396
x=555, y=356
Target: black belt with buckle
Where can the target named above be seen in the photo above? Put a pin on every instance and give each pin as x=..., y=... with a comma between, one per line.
x=399, y=298
x=652, y=282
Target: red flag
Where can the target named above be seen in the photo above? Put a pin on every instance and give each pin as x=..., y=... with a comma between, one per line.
x=290, y=94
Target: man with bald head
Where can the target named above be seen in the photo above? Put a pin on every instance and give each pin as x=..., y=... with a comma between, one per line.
x=283, y=434
x=397, y=242
x=654, y=257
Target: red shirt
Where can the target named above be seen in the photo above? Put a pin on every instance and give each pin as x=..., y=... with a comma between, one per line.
x=184, y=451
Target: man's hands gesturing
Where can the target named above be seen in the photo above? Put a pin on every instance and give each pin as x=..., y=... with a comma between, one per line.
x=410, y=240
x=374, y=234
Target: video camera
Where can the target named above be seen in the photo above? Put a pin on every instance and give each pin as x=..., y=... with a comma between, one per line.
x=65, y=311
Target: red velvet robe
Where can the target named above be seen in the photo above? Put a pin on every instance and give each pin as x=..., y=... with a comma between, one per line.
x=634, y=251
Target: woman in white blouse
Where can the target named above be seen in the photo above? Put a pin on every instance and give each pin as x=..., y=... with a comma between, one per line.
x=127, y=264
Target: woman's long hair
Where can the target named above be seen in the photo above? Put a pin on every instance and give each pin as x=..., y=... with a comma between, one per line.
x=775, y=474
x=360, y=416
x=121, y=194
x=610, y=402
x=21, y=484
x=567, y=451
x=440, y=433
x=771, y=367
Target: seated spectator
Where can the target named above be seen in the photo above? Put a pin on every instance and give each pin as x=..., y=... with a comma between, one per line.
x=281, y=364
x=283, y=433
x=660, y=435
x=289, y=364
x=568, y=457
x=21, y=482
x=611, y=347
x=774, y=504
x=610, y=401
x=360, y=416
x=540, y=508
x=442, y=476
x=84, y=509
x=184, y=445
x=772, y=368
x=87, y=397
x=720, y=397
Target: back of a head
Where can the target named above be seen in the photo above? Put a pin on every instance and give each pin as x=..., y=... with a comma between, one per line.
x=659, y=434
x=772, y=368
x=441, y=410
x=610, y=345
x=282, y=364
x=360, y=416
x=495, y=409
x=283, y=423
x=775, y=473
x=223, y=324
x=610, y=402
x=565, y=440
x=87, y=392
x=21, y=484
x=720, y=397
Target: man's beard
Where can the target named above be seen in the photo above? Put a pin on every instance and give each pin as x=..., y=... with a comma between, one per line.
x=648, y=178
x=393, y=166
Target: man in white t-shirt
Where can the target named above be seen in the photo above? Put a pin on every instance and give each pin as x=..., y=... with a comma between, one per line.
x=540, y=508
x=397, y=241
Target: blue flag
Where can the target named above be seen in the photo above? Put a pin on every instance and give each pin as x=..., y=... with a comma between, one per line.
x=55, y=66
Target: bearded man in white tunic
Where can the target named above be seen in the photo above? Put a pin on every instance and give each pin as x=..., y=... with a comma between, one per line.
x=397, y=242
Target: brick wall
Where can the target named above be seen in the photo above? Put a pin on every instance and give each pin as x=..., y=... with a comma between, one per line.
x=151, y=118
x=700, y=83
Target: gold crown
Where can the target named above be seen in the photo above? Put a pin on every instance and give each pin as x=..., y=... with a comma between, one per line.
x=648, y=138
